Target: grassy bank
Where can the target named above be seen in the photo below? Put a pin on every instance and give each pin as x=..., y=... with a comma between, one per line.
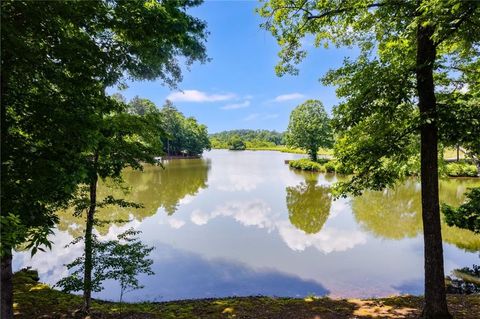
x=285, y=149
x=36, y=300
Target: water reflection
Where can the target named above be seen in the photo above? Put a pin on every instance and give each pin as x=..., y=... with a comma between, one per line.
x=155, y=188
x=244, y=223
x=248, y=213
x=182, y=274
x=396, y=213
x=308, y=205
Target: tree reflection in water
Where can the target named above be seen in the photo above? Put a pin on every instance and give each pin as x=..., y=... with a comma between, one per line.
x=154, y=188
x=308, y=204
x=396, y=213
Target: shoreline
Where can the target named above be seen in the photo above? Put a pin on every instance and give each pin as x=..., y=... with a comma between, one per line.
x=33, y=299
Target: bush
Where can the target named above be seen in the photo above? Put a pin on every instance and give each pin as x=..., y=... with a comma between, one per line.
x=306, y=165
x=461, y=169
x=330, y=167
x=470, y=170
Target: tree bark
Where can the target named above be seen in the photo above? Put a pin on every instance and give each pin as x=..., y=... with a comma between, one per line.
x=313, y=154
x=435, y=296
x=87, y=277
x=7, y=287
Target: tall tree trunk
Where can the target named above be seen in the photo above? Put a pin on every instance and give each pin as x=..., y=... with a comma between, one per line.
x=435, y=296
x=87, y=277
x=6, y=287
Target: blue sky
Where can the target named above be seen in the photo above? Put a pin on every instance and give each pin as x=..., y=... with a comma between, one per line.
x=238, y=88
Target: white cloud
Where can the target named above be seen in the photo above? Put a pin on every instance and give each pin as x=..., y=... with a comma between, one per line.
x=328, y=240
x=288, y=97
x=250, y=213
x=175, y=223
x=198, y=96
x=239, y=182
x=235, y=106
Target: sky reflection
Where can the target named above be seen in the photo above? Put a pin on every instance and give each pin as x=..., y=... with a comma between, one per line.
x=243, y=223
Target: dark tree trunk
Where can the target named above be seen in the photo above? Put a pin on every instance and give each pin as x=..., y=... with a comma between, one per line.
x=313, y=155
x=435, y=297
x=87, y=277
x=7, y=287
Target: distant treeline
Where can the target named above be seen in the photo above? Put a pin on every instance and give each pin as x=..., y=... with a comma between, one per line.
x=249, y=138
x=183, y=136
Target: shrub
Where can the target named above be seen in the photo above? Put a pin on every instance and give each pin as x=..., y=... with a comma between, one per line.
x=461, y=169
x=330, y=167
x=306, y=165
x=470, y=170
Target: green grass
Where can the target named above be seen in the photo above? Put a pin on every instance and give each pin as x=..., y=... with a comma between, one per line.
x=285, y=149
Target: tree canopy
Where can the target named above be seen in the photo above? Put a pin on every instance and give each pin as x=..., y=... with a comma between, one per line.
x=251, y=138
x=184, y=136
x=58, y=57
x=309, y=128
x=413, y=54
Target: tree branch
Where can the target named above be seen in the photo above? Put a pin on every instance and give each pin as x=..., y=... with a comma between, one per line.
x=458, y=24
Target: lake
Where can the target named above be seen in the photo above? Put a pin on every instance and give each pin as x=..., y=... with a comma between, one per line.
x=244, y=223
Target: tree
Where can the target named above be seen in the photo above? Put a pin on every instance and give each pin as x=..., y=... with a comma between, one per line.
x=184, y=136
x=236, y=144
x=57, y=59
x=122, y=140
x=122, y=259
x=309, y=128
x=141, y=106
x=408, y=52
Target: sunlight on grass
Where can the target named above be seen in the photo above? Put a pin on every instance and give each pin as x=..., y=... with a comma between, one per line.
x=228, y=310
x=368, y=308
x=39, y=287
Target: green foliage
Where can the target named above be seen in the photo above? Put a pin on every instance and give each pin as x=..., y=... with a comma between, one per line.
x=57, y=59
x=141, y=106
x=468, y=214
x=330, y=167
x=236, y=144
x=184, y=136
x=342, y=169
x=308, y=206
x=251, y=138
x=461, y=169
x=377, y=121
x=306, y=165
x=309, y=128
x=121, y=260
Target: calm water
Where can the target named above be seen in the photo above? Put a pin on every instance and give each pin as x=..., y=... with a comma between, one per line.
x=243, y=223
